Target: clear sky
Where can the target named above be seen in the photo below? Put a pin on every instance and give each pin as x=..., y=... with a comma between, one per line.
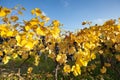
x=71, y=13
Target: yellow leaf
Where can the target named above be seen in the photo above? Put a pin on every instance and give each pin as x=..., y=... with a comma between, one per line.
x=39, y=31
x=5, y=19
x=30, y=69
x=61, y=58
x=107, y=64
x=45, y=18
x=32, y=11
x=52, y=56
x=55, y=32
x=6, y=59
x=67, y=68
x=1, y=53
x=14, y=55
x=23, y=42
x=93, y=66
x=56, y=23
x=6, y=10
x=71, y=50
x=27, y=28
x=36, y=11
x=87, y=45
x=18, y=38
x=14, y=18
x=103, y=70
x=34, y=21
x=37, y=59
x=2, y=13
x=83, y=23
x=93, y=56
x=3, y=33
x=29, y=45
x=100, y=51
x=10, y=33
x=20, y=12
x=117, y=57
x=42, y=23
x=83, y=63
x=118, y=27
x=3, y=27
x=24, y=55
x=23, y=8
x=76, y=70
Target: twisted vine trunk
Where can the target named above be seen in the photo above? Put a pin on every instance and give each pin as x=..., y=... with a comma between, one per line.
x=56, y=71
x=56, y=63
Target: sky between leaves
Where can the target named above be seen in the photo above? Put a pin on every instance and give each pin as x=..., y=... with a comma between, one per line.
x=71, y=13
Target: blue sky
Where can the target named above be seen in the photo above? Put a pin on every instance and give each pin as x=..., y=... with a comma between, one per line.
x=71, y=13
